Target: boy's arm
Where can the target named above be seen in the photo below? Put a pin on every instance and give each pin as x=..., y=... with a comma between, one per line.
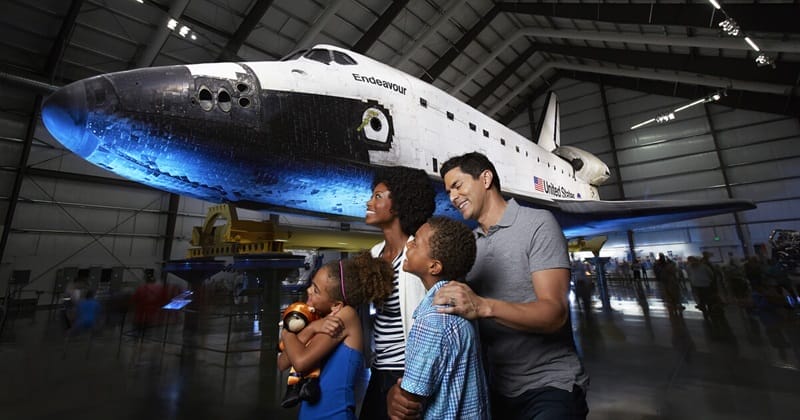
x=403, y=405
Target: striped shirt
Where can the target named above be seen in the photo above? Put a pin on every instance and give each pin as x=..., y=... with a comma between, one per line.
x=387, y=327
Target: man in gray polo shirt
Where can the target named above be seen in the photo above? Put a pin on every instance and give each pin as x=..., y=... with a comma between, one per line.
x=518, y=290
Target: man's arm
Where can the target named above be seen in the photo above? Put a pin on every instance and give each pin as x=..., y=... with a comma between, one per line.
x=545, y=315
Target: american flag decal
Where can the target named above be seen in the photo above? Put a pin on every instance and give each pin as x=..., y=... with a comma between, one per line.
x=538, y=184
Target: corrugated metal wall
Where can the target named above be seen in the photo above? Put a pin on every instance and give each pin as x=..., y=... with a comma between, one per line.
x=690, y=157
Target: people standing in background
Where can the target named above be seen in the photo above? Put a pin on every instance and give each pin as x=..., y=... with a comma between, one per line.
x=702, y=279
x=86, y=313
x=402, y=200
x=148, y=300
x=666, y=272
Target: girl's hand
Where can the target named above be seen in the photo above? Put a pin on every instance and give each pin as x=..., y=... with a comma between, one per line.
x=331, y=325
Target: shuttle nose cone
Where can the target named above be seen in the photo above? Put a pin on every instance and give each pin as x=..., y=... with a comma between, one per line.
x=64, y=113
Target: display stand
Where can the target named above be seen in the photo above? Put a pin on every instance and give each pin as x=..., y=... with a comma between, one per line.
x=271, y=269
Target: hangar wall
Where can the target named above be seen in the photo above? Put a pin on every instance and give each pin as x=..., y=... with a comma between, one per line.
x=71, y=214
x=707, y=152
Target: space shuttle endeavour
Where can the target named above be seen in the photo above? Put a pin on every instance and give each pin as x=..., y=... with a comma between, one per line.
x=306, y=133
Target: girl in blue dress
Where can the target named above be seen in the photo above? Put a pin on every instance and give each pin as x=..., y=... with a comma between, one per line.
x=334, y=342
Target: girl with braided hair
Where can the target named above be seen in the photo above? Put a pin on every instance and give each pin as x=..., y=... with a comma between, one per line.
x=335, y=290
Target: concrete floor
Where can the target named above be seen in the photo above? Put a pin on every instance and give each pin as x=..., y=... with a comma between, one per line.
x=643, y=364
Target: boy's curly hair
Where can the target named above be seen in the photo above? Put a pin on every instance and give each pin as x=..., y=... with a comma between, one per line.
x=366, y=279
x=453, y=244
x=413, y=196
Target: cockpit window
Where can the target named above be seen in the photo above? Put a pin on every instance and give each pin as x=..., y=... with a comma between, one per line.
x=323, y=56
x=294, y=56
x=344, y=59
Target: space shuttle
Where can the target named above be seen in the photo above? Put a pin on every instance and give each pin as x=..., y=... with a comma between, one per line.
x=306, y=134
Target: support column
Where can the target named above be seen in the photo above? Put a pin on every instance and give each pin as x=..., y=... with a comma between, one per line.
x=743, y=240
x=612, y=142
x=22, y=167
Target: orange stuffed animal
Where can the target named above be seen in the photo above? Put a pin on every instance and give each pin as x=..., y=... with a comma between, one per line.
x=300, y=386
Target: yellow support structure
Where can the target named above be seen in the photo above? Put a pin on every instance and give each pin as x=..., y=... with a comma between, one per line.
x=235, y=237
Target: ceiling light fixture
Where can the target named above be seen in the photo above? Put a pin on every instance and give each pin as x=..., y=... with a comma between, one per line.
x=730, y=27
x=669, y=116
x=764, y=60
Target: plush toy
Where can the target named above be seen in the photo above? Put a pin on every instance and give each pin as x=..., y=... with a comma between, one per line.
x=299, y=386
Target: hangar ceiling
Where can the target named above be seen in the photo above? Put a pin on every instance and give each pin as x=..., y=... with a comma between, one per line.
x=480, y=51
x=500, y=57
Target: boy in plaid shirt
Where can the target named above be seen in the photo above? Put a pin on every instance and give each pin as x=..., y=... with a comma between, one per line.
x=443, y=368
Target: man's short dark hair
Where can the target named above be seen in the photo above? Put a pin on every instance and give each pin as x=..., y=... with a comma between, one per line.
x=453, y=244
x=474, y=164
x=413, y=196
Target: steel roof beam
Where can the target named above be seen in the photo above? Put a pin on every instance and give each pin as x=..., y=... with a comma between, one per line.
x=630, y=38
x=752, y=101
x=433, y=72
x=751, y=17
x=62, y=40
x=319, y=24
x=249, y=23
x=737, y=68
x=447, y=11
x=162, y=32
x=379, y=27
x=501, y=77
x=733, y=68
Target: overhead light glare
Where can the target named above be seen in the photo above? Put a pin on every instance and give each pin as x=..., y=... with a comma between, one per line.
x=699, y=101
x=752, y=44
x=715, y=4
x=172, y=24
x=140, y=1
x=643, y=123
x=716, y=96
x=184, y=31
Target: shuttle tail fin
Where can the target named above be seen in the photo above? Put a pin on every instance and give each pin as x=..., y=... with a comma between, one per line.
x=549, y=136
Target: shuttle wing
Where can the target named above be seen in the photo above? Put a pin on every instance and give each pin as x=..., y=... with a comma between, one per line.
x=586, y=218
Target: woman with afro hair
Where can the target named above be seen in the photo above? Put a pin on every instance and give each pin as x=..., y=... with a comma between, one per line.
x=402, y=200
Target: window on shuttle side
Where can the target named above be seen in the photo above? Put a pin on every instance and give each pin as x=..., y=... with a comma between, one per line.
x=423, y=102
x=472, y=127
x=323, y=56
x=517, y=147
x=503, y=142
x=450, y=116
x=485, y=133
x=343, y=59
